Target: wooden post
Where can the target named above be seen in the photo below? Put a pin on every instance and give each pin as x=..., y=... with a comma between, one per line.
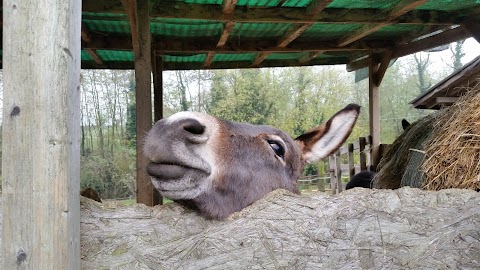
x=157, y=66
x=139, y=15
x=41, y=129
x=338, y=171
x=351, y=161
x=374, y=111
x=363, y=157
x=333, y=180
x=321, y=175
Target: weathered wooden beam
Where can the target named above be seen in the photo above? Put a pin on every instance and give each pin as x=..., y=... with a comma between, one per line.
x=208, y=60
x=310, y=56
x=442, y=38
x=85, y=33
x=157, y=75
x=95, y=56
x=446, y=100
x=41, y=127
x=403, y=7
x=260, y=58
x=316, y=6
x=473, y=27
x=382, y=69
x=229, y=25
x=205, y=45
x=229, y=6
x=374, y=113
x=138, y=12
x=291, y=34
x=219, y=65
x=361, y=32
x=399, y=9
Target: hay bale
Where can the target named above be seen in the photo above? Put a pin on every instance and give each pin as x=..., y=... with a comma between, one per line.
x=395, y=163
x=357, y=229
x=360, y=228
x=453, y=153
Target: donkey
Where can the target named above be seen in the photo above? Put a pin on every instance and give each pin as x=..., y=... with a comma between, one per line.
x=218, y=167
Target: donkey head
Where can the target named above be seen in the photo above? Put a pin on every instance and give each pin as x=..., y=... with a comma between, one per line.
x=219, y=167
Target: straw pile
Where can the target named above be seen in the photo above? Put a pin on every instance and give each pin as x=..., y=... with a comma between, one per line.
x=453, y=153
x=358, y=229
x=395, y=163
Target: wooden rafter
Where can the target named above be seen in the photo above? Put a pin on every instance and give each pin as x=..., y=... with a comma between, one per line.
x=474, y=28
x=208, y=59
x=396, y=11
x=312, y=9
x=445, y=37
x=310, y=56
x=228, y=8
x=226, y=33
x=316, y=6
x=205, y=45
x=87, y=38
x=382, y=69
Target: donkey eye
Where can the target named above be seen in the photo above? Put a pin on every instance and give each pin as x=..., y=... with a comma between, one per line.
x=277, y=148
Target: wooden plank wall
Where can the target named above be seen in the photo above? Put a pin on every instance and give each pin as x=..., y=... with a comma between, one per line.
x=41, y=129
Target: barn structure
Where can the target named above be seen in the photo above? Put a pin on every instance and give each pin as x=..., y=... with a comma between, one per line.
x=45, y=43
x=448, y=90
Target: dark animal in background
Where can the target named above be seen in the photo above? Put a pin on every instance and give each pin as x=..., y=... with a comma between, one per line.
x=405, y=124
x=91, y=194
x=218, y=167
x=361, y=179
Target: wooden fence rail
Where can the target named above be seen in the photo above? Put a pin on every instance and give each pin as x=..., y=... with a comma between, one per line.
x=343, y=164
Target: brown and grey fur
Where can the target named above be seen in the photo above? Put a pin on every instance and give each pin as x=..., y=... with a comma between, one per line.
x=219, y=167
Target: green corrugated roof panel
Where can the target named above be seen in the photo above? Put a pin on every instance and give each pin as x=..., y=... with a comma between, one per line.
x=449, y=5
x=230, y=57
x=258, y=3
x=266, y=30
x=185, y=58
x=296, y=3
x=379, y=4
x=108, y=55
x=321, y=31
x=285, y=56
x=117, y=27
x=185, y=28
x=85, y=56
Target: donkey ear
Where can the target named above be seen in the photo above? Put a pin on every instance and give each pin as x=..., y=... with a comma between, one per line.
x=325, y=139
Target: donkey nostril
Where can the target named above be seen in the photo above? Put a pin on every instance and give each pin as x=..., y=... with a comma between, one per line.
x=194, y=127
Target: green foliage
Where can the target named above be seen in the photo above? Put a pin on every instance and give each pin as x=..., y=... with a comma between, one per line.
x=112, y=176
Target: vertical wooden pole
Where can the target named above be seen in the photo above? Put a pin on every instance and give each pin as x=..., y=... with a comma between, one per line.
x=157, y=87
x=333, y=179
x=363, y=157
x=351, y=161
x=374, y=112
x=338, y=170
x=139, y=15
x=157, y=66
x=41, y=129
x=321, y=175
